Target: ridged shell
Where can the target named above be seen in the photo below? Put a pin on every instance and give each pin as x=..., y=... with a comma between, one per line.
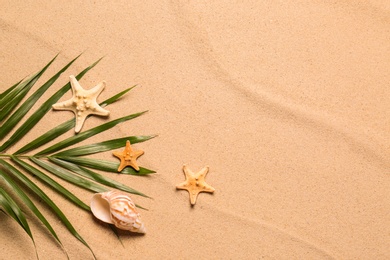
x=117, y=208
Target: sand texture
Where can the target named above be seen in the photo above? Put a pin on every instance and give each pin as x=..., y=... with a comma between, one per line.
x=287, y=102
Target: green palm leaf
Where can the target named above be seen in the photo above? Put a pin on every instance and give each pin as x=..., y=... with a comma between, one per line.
x=12, y=99
x=34, y=188
x=9, y=90
x=69, y=177
x=26, y=106
x=27, y=201
x=107, y=166
x=47, y=137
x=54, y=160
x=52, y=183
x=115, y=97
x=85, y=135
x=103, y=146
x=10, y=207
x=95, y=176
x=44, y=108
x=64, y=127
x=13, y=210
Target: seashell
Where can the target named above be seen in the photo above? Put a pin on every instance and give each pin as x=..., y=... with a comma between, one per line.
x=115, y=207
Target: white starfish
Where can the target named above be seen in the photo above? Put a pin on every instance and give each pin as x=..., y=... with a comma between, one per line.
x=83, y=102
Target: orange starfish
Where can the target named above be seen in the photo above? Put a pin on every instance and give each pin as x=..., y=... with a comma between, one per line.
x=195, y=183
x=128, y=157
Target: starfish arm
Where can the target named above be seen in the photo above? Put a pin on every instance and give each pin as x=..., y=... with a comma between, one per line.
x=79, y=122
x=133, y=163
x=203, y=172
x=187, y=172
x=138, y=153
x=74, y=84
x=193, y=196
x=207, y=188
x=182, y=186
x=117, y=154
x=100, y=111
x=128, y=147
x=95, y=91
x=65, y=105
x=122, y=165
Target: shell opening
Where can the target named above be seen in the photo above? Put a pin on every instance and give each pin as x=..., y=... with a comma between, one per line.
x=101, y=208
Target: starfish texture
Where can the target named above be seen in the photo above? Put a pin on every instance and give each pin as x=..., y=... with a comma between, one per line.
x=195, y=183
x=128, y=157
x=83, y=103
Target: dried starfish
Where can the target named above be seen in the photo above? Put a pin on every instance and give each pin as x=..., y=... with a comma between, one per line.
x=83, y=103
x=128, y=157
x=195, y=183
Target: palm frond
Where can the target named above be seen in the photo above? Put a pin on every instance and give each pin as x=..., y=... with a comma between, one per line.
x=66, y=126
x=52, y=183
x=87, y=134
x=54, y=160
x=115, y=97
x=104, y=165
x=69, y=177
x=40, y=113
x=13, y=98
x=26, y=106
x=13, y=210
x=9, y=89
x=87, y=173
x=27, y=201
x=42, y=195
x=103, y=146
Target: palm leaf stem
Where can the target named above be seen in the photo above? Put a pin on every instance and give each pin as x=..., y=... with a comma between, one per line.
x=52, y=183
x=87, y=173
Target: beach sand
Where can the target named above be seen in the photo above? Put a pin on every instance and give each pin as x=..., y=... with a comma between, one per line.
x=287, y=102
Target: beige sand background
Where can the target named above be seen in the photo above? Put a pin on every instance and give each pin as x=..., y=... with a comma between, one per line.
x=286, y=101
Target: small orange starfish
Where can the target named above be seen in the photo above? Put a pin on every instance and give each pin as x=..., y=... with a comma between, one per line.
x=128, y=157
x=195, y=183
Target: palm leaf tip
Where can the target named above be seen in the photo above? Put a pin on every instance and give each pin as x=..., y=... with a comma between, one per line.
x=13, y=210
x=27, y=201
x=26, y=106
x=37, y=191
x=10, y=101
x=34, y=119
